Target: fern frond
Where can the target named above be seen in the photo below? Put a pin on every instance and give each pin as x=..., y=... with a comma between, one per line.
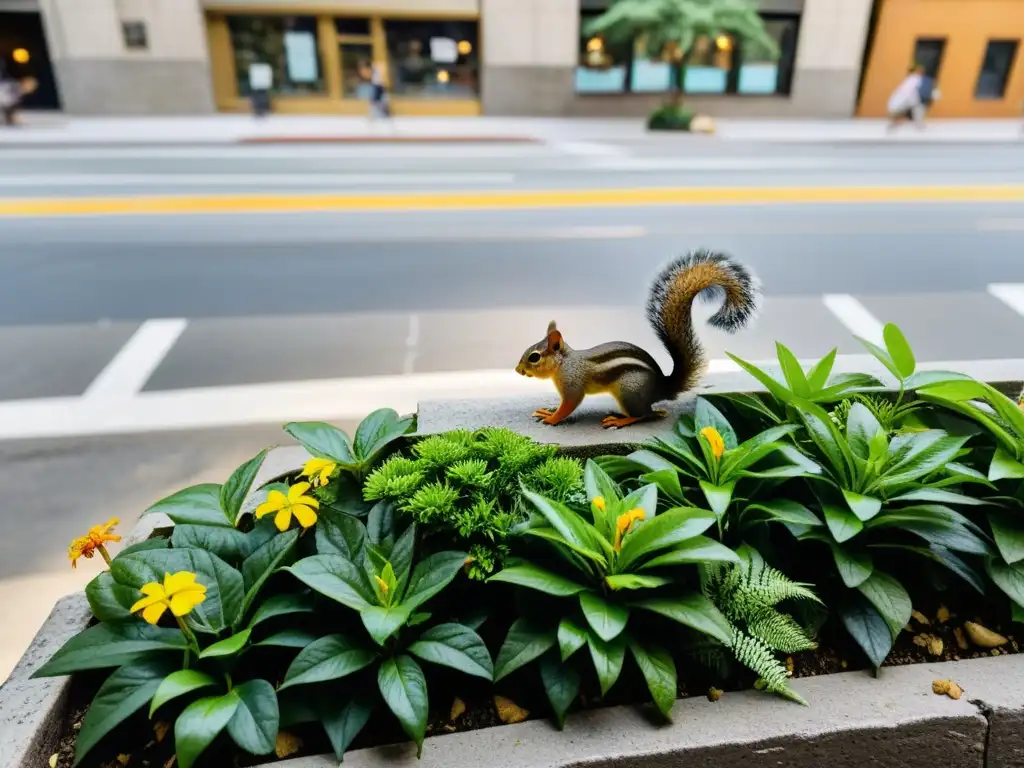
x=432, y=502
x=557, y=478
x=395, y=478
x=770, y=586
x=712, y=655
x=779, y=631
x=759, y=658
x=470, y=473
x=439, y=451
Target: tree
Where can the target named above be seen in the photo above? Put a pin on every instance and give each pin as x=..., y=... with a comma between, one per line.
x=675, y=25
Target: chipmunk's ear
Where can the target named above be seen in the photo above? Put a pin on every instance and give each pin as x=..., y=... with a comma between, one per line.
x=551, y=326
x=554, y=341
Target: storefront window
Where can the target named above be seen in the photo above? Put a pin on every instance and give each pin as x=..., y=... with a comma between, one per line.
x=651, y=75
x=287, y=43
x=995, y=69
x=759, y=72
x=433, y=59
x=602, y=67
x=356, y=62
x=709, y=64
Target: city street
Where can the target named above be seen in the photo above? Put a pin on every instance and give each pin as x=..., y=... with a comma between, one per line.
x=157, y=330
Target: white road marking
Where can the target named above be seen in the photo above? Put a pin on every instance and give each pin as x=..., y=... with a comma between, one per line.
x=383, y=179
x=707, y=163
x=1011, y=294
x=588, y=149
x=855, y=316
x=135, y=362
x=597, y=232
x=1000, y=225
x=411, y=344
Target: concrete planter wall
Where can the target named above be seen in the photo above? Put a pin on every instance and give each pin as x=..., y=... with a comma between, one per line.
x=854, y=719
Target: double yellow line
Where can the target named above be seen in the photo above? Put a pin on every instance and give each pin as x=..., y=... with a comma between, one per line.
x=489, y=199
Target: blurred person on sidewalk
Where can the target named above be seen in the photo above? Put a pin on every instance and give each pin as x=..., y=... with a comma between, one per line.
x=906, y=102
x=261, y=80
x=10, y=96
x=379, y=103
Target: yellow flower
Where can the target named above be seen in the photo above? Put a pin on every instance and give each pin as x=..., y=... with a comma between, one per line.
x=382, y=584
x=599, y=503
x=283, y=507
x=625, y=522
x=86, y=546
x=715, y=440
x=319, y=471
x=180, y=592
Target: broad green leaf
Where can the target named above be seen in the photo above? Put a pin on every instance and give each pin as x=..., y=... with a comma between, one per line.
x=718, y=496
x=645, y=498
x=618, y=467
x=635, y=581
x=843, y=384
x=455, y=646
x=861, y=428
x=541, y=579
x=607, y=657
x=782, y=511
x=830, y=442
x=1008, y=531
x=263, y=563
x=817, y=377
x=561, y=684
x=890, y=599
x=689, y=463
x=404, y=689
x=667, y=481
x=571, y=637
x=234, y=491
x=706, y=415
x=867, y=627
x=109, y=600
x=289, y=638
x=255, y=722
x=110, y=645
x=599, y=483
x=431, y=576
x=752, y=404
x=854, y=565
x=224, y=587
x=1009, y=578
x=376, y=431
x=158, y=542
x=881, y=355
x=282, y=605
x=226, y=543
x=230, y=646
x=1016, y=612
x=401, y=558
x=323, y=441
x=337, y=578
x=694, y=611
x=177, y=684
x=339, y=534
x=931, y=378
x=195, y=505
x=754, y=450
x=841, y=522
x=899, y=351
x=343, y=718
x=573, y=528
x=383, y=621
x=200, y=723
x=523, y=644
x=328, y=658
x=777, y=390
x=924, y=455
x=791, y=369
x=699, y=549
x=938, y=496
x=566, y=550
x=666, y=530
x=380, y=526
x=938, y=525
x=659, y=670
x=122, y=694
x=1004, y=467
x=864, y=507
x=606, y=618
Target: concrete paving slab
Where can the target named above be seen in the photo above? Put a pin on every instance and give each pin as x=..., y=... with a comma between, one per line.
x=227, y=351
x=57, y=360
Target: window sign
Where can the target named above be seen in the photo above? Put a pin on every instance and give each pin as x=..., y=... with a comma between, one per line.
x=444, y=50
x=300, y=53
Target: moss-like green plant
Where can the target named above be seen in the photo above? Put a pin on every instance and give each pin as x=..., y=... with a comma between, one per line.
x=748, y=593
x=469, y=483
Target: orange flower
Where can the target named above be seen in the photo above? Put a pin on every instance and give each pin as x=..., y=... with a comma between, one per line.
x=599, y=503
x=625, y=523
x=714, y=440
x=86, y=546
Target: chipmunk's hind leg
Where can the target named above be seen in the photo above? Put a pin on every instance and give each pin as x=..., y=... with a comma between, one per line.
x=635, y=393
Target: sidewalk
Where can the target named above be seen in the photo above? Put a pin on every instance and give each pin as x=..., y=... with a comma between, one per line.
x=49, y=129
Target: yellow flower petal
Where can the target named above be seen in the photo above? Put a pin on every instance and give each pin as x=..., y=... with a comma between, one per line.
x=283, y=519
x=154, y=588
x=146, y=602
x=599, y=503
x=179, y=581
x=153, y=612
x=305, y=515
x=184, y=602
x=296, y=491
x=308, y=501
x=715, y=441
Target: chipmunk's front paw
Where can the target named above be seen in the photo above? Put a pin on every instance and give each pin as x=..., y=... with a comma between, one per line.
x=543, y=413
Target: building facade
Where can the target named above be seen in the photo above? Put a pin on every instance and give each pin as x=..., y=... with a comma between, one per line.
x=510, y=57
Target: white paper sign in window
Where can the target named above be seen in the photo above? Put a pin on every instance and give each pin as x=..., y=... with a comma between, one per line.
x=300, y=51
x=444, y=50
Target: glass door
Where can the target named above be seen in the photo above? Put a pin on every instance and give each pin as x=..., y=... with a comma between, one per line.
x=356, y=59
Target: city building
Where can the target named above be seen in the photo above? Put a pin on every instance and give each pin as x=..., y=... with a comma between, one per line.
x=501, y=57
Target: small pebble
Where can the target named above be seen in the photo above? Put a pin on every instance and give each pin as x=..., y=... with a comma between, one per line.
x=714, y=694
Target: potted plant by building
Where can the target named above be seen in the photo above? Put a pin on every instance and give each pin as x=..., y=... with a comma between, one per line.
x=676, y=26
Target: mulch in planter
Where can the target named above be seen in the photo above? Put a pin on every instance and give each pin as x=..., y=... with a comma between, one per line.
x=137, y=745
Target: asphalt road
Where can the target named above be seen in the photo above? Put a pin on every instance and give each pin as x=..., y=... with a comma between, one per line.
x=109, y=318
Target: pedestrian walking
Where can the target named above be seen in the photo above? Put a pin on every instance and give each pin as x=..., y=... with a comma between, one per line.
x=10, y=96
x=905, y=102
x=380, y=105
x=261, y=80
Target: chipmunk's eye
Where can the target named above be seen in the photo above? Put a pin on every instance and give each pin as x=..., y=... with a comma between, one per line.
x=534, y=357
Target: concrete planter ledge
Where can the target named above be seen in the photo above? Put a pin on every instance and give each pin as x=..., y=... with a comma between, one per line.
x=853, y=720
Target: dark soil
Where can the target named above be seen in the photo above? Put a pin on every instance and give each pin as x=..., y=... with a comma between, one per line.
x=836, y=653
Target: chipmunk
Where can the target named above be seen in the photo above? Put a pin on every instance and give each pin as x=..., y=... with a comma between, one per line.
x=627, y=372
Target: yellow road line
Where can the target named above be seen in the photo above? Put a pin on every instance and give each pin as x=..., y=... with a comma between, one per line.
x=563, y=198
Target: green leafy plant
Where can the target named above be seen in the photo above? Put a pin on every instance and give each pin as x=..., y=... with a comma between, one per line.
x=468, y=483
x=377, y=576
x=748, y=593
x=670, y=117
x=618, y=560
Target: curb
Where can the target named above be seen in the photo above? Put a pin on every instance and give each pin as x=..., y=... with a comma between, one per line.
x=388, y=140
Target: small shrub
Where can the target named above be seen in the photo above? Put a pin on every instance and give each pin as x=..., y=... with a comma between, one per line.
x=670, y=117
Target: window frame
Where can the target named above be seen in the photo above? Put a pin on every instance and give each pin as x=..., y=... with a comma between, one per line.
x=323, y=89
x=1009, y=69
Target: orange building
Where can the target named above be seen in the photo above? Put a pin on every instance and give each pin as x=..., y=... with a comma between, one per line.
x=971, y=47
